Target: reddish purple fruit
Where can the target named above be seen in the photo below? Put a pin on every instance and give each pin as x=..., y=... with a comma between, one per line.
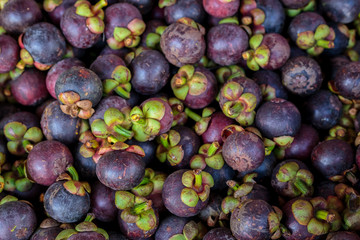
x=56, y=9
x=219, y=234
x=103, y=202
x=184, y=8
x=29, y=88
x=47, y=160
x=120, y=170
x=221, y=8
x=9, y=54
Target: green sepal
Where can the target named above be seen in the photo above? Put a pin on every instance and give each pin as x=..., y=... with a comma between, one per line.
x=104, y=233
x=34, y=135
x=233, y=20
x=178, y=237
x=243, y=190
x=124, y=199
x=14, y=131
x=188, y=178
x=262, y=56
x=216, y=161
x=317, y=227
x=166, y=3
x=65, y=234
x=229, y=204
x=84, y=9
x=255, y=41
x=2, y=183
x=191, y=230
x=121, y=33
x=99, y=128
x=147, y=220
x=9, y=178
x=175, y=155
x=74, y=187
x=189, y=197
x=86, y=227
x=95, y=25
x=305, y=40
x=284, y=141
x=136, y=26
x=302, y=211
x=121, y=74
x=287, y=172
x=23, y=184
x=154, y=109
x=321, y=32
x=50, y=5
x=8, y=198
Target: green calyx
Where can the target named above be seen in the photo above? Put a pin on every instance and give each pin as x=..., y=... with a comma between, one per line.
x=209, y=155
x=283, y=141
x=191, y=23
x=232, y=20
x=238, y=105
x=77, y=188
x=94, y=14
x=197, y=186
x=128, y=36
x=8, y=198
x=251, y=15
x=310, y=7
x=166, y=3
x=229, y=204
x=259, y=55
x=188, y=81
x=146, y=120
x=50, y=5
x=202, y=122
x=120, y=82
x=169, y=149
x=224, y=74
x=177, y=107
x=152, y=183
x=21, y=140
x=315, y=42
x=302, y=211
x=73, y=106
x=153, y=39
x=191, y=231
x=268, y=92
x=301, y=180
x=136, y=209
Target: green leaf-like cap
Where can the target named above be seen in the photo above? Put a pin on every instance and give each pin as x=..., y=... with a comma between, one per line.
x=124, y=199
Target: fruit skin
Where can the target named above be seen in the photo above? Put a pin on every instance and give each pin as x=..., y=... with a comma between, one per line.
x=17, y=221
x=304, y=142
x=217, y=123
x=104, y=65
x=306, y=21
x=86, y=167
x=56, y=70
x=171, y=195
x=27, y=118
x=347, y=80
x=9, y=54
x=184, y=8
x=45, y=234
x=340, y=235
x=47, y=160
x=182, y=44
x=332, y=157
x=64, y=206
x=323, y=109
x=87, y=236
x=56, y=125
x=278, y=117
x=56, y=14
x=295, y=4
x=272, y=8
x=120, y=170
x=302, y=76
x=220, y=37
x=219, y=234
x=150, y=71
x=343, y=12
x=279, y=50
x=45, y=43
x=17, y=15
x=243, y=151
x=170, y=226
x=221, y=9
x=132, y=231
x=75, y=30
x=249, y=221
x=103, y=202
x=29, y=88
x=270, y=82
x=82, y=81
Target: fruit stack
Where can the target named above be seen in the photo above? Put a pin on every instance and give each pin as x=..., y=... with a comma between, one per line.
x=179, y=119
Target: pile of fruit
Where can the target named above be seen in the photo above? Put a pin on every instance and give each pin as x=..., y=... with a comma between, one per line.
x=179, y=119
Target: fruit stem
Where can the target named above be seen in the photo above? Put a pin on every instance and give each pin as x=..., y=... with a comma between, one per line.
x=21, y=171
x=27, y=145
x=164, y=140
x=236, y=108
x=89, y=218
x=123, y=131
x=194, y=116
x=198, y=178
x=99, y=5
x=299, y=184
x=144, y=181
x=213, y=148
x=139, y=208
x=73, y=173
x=325, y=215
x=138, y=119
x=180, y=81
x=233, y=185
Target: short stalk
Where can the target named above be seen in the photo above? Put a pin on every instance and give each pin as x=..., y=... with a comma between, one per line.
x=213, y=148
x=141, y=207
x=198, y=178
x=122, y=131
x=73, y=173
x=301, y=187
x=194, y=116
x=180, y=81
x=325, y=215
x=164, y=140
x=236, y=108
x=27, y=145
x=89, y=218
x=99, y=5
